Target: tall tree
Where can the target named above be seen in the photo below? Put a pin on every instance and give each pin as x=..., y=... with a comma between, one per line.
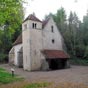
x=72, y=33
x=60, y=19
x=85, y=34
x=11, y=16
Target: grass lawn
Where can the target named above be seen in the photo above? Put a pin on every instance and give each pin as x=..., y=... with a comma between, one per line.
x=6, y=77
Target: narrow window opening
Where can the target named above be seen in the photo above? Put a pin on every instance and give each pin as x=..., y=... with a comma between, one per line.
x=53, y=40
x=52, y=28
x=33, y=25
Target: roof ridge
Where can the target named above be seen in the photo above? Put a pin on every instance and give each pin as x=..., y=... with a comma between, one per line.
x=32, y=17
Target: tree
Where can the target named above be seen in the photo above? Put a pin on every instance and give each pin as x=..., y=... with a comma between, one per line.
x=73, y=28
x=60, y=19
x=85, y=29
x=11, y=16
x=85, y=34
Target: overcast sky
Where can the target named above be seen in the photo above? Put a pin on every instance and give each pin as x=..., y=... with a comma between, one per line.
x=43, y=7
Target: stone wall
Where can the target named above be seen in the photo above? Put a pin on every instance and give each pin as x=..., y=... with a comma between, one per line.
x=11, y=56
x=48, y=36
x=36, y=48
x=16, y=50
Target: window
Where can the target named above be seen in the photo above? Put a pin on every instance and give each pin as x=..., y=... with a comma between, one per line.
x=53, y=40
x=52, y=28
x=34, y=25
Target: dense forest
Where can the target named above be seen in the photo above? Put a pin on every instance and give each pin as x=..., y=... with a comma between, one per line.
x=73, y=30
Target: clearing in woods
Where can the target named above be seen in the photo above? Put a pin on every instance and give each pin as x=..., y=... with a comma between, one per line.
x=76, y=75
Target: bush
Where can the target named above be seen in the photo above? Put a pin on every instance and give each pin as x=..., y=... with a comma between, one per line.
x=86, y=52
x=80, y=50
x=3, y=57
x=78, y=61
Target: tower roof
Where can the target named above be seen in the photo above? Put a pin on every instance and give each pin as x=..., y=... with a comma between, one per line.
x=32, y=17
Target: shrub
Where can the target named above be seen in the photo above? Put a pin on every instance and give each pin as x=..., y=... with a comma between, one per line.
x=3, y=57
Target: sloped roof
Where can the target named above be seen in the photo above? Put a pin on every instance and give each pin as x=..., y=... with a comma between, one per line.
x=32, y=17
x=18, y=40
x=45, y=22
x=52, y=54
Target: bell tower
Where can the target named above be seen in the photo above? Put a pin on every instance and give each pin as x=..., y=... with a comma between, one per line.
x=32, y=43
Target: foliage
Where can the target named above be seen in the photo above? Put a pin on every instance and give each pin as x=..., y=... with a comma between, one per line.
x=60, y=19
x=6, y=77
x=80, y=50
x=73, y=32
x=79, y=61
x=3, y=57
x=86, y=52
x=1, y=69
x=11, y=16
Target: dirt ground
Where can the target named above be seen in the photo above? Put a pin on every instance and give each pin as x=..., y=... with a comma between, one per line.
x=75, y=74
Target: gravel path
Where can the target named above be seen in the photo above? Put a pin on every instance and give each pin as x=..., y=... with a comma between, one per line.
x=75, y=74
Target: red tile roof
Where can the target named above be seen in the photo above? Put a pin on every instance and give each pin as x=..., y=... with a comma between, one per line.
x=18, y=40
x=32, y=17
x=51, y=54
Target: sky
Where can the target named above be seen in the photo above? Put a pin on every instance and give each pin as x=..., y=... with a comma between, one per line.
x=44, y=7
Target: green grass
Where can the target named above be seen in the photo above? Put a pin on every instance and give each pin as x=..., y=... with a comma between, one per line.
x=37, y=85
x=1, y=69
x=6, y=77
